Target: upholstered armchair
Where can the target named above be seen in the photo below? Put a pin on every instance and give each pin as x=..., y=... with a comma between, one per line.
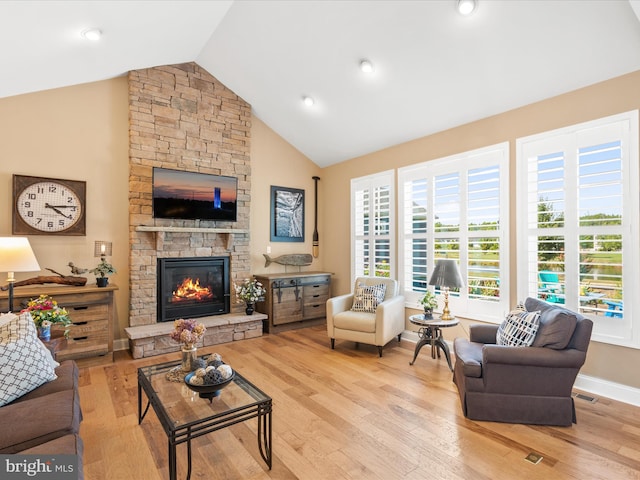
x=525, y=384
x=383, y=321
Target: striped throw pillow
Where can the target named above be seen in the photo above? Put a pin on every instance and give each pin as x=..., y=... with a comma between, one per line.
x=518, y=329
x=366, y=298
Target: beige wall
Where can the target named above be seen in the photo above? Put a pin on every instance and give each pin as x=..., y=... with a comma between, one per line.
x=607, y=98
x=275, y=162
x=76, y=133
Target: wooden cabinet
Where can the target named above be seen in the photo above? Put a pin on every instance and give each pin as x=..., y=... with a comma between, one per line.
x=91, y=310
x=294, y=300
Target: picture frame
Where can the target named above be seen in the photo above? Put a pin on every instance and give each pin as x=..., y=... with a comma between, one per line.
x=287, y=214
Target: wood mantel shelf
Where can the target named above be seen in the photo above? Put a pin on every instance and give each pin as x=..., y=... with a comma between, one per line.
x=161, y=230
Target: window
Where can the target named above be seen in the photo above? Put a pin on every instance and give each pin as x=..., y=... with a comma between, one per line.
x=578, y=222
x=373, y=226
x=457, y=207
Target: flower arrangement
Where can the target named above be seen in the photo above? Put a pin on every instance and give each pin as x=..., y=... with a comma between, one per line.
x=45, y=312
x=103, y=269
x=250, y=291
x=187, y=332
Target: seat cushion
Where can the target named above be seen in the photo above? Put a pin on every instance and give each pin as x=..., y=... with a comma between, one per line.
x=470, y=355
x=356, y=321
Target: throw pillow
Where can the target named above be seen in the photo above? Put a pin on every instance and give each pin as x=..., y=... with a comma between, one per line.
x=24, y=361
x=366, y=298
x=518, y=329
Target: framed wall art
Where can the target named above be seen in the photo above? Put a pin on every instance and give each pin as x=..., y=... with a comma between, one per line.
x=287, y=214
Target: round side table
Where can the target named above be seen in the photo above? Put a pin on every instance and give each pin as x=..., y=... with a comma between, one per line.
x=430, y=333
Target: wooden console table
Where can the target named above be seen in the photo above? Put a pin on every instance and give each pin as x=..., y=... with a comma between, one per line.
x=294, y=300
x=91, y=310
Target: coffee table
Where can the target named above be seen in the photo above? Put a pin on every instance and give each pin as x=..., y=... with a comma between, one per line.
x=430, y=333
x=185, y=416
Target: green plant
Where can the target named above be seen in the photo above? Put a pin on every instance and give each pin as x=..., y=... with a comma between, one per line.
x=103, y=269
x=429, y=300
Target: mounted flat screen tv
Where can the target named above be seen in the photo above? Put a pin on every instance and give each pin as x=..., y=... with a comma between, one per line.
x=194, y=196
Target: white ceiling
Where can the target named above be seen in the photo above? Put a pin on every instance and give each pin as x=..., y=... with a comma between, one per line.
x=434, y=68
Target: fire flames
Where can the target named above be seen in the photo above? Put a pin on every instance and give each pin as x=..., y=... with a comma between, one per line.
x=190, y=290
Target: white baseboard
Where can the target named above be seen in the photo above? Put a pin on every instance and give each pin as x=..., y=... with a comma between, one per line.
x=593, y=385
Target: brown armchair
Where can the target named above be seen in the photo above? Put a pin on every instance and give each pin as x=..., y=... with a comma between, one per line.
x=523, y=384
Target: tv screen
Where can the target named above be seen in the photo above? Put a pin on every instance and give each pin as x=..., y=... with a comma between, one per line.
x=194, y=196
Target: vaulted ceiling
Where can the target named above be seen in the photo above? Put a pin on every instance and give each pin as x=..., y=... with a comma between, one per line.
x=433, y=68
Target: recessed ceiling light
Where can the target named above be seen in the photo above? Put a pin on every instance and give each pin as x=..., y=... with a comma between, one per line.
x=466, y=7
x=308, y=101
x=366, y=66
x=92, y=34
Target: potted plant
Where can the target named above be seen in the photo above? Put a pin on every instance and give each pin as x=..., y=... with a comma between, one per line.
x=250, y=292
x=101, y=271
x=430, y=303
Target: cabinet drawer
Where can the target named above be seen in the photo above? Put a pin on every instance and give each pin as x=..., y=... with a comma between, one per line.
x=83, y=314
x=315, y=291
x=315, y=310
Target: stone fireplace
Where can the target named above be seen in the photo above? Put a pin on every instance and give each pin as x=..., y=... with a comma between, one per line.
x=181, y=117
x=192, y=287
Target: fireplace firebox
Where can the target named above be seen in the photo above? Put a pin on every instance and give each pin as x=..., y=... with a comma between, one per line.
x=193, y=287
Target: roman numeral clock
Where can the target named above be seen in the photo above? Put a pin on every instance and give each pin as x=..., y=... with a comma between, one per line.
x=48, y=206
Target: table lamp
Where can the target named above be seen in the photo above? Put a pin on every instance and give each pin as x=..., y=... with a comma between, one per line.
x=446, y=275
x=16, y=255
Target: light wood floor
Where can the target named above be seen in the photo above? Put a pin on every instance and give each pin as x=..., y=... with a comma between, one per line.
x=347, y=414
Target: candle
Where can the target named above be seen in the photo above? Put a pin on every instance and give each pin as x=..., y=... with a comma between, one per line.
x=103, y=248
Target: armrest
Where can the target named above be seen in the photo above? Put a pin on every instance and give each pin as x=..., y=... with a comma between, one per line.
x=389, y=318
x=532, y=356
x=483, y=333
x=339, y=304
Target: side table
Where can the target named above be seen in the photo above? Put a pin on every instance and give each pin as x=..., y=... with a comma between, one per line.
x=430, y=333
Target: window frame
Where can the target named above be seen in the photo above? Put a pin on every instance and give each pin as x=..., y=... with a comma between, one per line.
x=569, y=140
x=384, y=179
x=462, y=163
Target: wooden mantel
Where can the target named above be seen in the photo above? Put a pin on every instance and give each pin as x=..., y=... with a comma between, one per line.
x=159, y=231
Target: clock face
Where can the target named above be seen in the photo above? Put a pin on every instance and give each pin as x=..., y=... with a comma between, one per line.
x=48, y=206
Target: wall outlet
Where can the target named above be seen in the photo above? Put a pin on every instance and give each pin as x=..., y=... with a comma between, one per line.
x=268, y=249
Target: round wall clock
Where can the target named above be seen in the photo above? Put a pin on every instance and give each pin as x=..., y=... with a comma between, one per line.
x=48, y=206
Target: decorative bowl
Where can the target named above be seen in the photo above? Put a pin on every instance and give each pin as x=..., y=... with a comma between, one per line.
x=209, y=391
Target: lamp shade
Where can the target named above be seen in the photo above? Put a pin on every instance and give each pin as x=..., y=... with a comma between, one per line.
x=16, y=255
x=446, y=274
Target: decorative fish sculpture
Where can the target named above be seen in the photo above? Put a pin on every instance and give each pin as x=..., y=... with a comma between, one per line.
x=297, y=259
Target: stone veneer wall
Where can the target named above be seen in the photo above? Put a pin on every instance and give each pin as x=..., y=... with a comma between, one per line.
x=181, y=117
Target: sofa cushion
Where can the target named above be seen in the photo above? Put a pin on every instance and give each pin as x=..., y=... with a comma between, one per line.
x=518, y=329
x=68, y=375
x=356, y=321
x=25, y=363
x=367, y=297
x=70, y=444
x=50, y=417
x=556, y=324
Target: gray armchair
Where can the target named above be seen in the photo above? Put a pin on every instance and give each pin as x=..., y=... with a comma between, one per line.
x=364, y=327
x=529, y=385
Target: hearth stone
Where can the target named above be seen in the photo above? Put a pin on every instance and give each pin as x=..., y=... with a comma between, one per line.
x=150, y=340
